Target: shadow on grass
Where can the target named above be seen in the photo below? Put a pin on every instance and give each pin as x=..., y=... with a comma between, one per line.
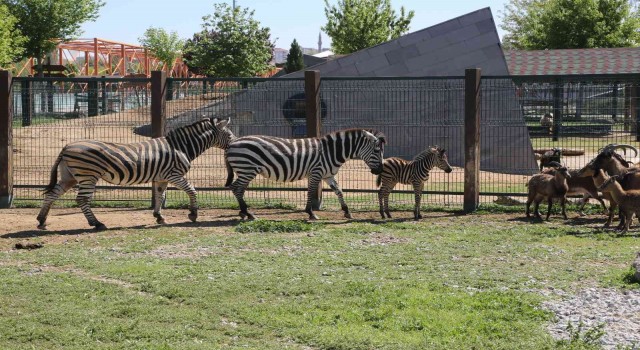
x=43, y=233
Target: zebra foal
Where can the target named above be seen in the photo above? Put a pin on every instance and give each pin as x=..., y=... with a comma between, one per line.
x=286, y=160
x=162, y=161
x=414, y=172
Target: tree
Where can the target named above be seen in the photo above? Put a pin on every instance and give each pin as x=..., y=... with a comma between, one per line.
x=11, y=39
x=358, y=24
x=295, y=62
x=165, y=46
x=46, y=22
x=570, y=24
x=231, y=44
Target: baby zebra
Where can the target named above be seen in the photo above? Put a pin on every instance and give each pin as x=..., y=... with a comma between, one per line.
x=414, y=172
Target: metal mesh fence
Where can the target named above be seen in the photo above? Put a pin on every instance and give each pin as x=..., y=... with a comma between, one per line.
x=49, y=113
x=588, y=113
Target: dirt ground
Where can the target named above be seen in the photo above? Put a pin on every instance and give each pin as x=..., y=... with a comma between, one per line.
x=19, y=225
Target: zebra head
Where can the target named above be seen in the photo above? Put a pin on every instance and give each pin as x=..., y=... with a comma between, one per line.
x=222, y=135
x=442, y=161
x=372, y=150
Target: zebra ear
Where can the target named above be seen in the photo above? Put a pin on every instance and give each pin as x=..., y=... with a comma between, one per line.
x=370, y=136
x=223, y=124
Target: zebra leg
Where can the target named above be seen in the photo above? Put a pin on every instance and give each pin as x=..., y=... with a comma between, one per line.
x=238, y=187
x=159, y=193
x=61, y=188
x=182, y=184
x=85, y=192
x=383, y=196
x=314, y=182
x=418, y=186
x=331, y=181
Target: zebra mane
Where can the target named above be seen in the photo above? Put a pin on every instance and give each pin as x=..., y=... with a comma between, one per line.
x=173, y=132
x=379, y=134
x=431, y=150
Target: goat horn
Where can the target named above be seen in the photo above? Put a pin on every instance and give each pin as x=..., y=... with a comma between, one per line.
x=624, y=148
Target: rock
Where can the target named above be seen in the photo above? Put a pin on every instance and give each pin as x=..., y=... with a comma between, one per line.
x=28, y=245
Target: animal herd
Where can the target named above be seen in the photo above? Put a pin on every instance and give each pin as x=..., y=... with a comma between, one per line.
x=608, y=172
x=166, y=160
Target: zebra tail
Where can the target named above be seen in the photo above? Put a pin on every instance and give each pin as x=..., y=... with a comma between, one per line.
x=53, y=180
x=229, y=173
x=379, y=180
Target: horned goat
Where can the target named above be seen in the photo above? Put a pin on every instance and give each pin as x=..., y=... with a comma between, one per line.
x=629, y=201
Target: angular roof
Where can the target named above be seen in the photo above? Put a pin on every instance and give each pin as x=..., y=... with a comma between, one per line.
x=574, y=61
x=448, y=48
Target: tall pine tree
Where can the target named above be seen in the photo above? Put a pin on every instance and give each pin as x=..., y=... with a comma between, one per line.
x=295, y=61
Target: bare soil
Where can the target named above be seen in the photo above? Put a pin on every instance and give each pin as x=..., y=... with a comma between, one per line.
x=19, y=225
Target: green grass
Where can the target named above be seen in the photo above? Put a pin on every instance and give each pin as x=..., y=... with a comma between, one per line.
x=446, y=282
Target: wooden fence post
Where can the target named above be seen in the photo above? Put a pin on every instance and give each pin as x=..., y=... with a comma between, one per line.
x=158, y=103
x=6, y=140
x=314, y=126
x=472, y=140
x=558, y=98
x=26, y=94
x=92, y=98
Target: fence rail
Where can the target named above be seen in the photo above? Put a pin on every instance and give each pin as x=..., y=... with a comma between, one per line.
x=40, y=115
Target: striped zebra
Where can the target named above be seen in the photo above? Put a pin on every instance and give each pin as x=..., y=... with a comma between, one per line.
x=161, y=161
x=285, y=160
x=414, y=172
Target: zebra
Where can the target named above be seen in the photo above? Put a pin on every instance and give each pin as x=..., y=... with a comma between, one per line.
x=161, y=160
x=285, y=160
x=414, y=172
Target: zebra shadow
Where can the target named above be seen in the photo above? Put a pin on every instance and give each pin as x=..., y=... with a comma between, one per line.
x=44, y=233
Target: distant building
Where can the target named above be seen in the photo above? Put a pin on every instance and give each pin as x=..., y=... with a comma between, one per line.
x=280, y=55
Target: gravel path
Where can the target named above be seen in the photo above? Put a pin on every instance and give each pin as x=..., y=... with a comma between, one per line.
x=618, y=310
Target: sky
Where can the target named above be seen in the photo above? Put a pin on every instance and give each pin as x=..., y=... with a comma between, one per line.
x=126, y=20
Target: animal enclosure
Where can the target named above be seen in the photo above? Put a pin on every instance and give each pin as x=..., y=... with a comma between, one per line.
x=414, y=113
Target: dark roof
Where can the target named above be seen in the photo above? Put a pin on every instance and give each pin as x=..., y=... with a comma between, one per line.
x=574, y=61
x=445, y=49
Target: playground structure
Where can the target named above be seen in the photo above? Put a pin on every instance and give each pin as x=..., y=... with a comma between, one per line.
x=100, y=57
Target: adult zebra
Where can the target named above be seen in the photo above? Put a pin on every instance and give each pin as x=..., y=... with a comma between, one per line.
x=285, y=160
x=414, y=172
x=162, y=161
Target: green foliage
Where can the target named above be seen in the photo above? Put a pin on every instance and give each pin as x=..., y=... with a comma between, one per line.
x=11, y=40
x=165, y=46
x=295, y=62
x=231, y=44
x=358, y=24
x=570, y=24
x=264, y=226
x=46, y=22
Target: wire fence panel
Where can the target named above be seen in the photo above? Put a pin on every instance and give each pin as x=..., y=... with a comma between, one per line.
x=520, y=117
x=413, y=114
x=579, y=114
x=256, y=107
x=49, y=113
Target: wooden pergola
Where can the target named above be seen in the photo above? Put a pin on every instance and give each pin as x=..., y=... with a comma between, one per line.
x=107, y=58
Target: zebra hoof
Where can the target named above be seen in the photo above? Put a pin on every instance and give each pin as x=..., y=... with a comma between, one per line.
x=100, y=227
x=161, y=221
x=251, y=216
x=42, y=226
x=348, y=215
x=193, y=217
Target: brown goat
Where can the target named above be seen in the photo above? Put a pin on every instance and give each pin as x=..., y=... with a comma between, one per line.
x=629, y=201
x=583, y=185
x=614, y=164
x=547, y=186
